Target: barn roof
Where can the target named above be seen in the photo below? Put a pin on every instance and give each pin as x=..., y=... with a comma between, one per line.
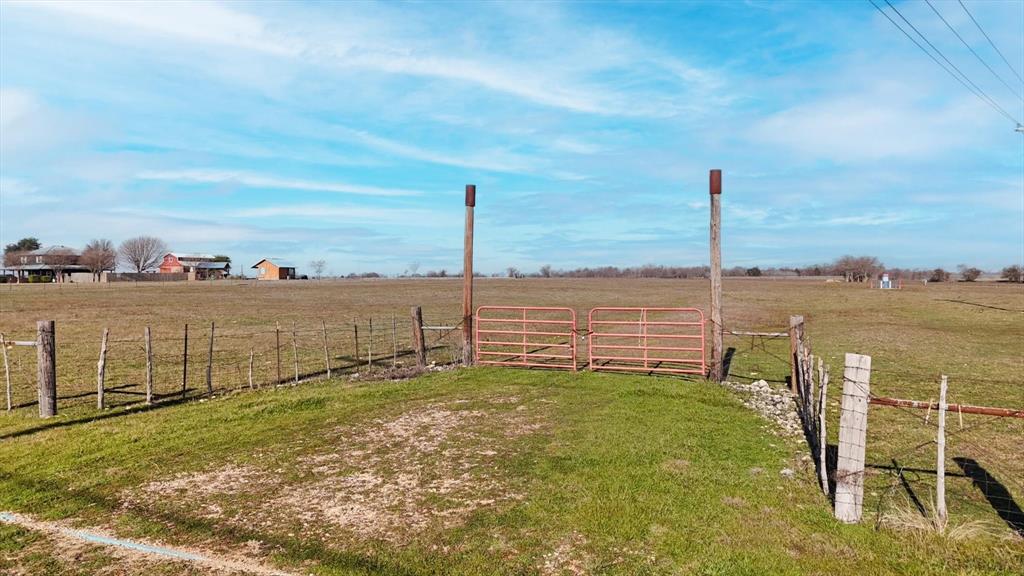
x=275, y=262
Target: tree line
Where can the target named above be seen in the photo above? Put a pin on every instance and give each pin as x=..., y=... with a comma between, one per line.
x=139, y=254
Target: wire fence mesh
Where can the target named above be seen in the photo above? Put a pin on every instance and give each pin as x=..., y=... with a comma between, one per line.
x=183, y=361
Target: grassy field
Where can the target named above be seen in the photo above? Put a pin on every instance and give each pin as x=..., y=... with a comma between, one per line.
x=466, y=472
x=588, y=487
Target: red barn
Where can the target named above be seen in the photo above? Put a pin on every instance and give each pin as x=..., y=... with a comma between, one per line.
x=197, y=266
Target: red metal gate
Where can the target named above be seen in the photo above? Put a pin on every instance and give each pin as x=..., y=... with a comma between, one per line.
x=658, y=340
x=526, y=336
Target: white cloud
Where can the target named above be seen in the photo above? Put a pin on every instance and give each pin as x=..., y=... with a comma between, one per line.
x=555, y=73
x=494, y=159
x=18, y=192
x=869, y=127
x=191, y=21
x=213, y=176
x=409, y=216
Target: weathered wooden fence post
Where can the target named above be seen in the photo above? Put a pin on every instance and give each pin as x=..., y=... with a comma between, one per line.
x=252, y=355
x=46, y=357
x=394, y=341
x=209, y=364
x=327, y=354
x=467, y=279
x=822, y=435
x=6, y=370
x=355, y=333
x=149, y=366
x=796, y=335
x=184, y=364
x=101, y=372
x=853, y=428
x=277, y=349
x=369, y=346
x=418, y=342
x=715, y=190
x=295, y=351
x=940, y=462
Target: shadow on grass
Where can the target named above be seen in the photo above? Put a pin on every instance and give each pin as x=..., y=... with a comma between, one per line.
x=995, y=492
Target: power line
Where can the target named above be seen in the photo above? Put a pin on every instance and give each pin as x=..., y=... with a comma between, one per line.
x=990, y=42
x=964, y=81
x=954, y=66
x=976, y=55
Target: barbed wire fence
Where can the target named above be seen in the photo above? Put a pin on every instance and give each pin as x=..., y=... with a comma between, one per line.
x=184, y=361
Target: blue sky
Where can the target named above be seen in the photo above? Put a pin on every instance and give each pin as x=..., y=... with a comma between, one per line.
x=347, y=131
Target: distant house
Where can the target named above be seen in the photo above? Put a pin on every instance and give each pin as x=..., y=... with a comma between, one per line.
x=274, y=270
x=48, y=264
x=197, y=266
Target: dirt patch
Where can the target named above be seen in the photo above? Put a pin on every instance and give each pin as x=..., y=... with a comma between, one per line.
x=569, y=557
x=388, y=479
x=428, y=467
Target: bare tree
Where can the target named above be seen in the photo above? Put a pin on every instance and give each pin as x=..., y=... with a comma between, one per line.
x=545, y=271
x=99, y=256
x=59, y=258
x=318, y=268
x=1013, y=273
x=513, y=272
x=939, y=275
x=968, y=273
x=142, y=252
x=858, y=268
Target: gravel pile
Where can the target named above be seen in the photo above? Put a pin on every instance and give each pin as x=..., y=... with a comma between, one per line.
x=777, y=405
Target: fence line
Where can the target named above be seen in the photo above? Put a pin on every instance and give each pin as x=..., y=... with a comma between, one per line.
x=153, y=364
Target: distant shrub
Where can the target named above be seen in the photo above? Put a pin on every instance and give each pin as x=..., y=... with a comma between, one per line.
x=939, y=275
x=969, y=274
x=1013, y=273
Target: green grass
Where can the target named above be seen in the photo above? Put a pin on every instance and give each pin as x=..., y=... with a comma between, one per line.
x=592, y=472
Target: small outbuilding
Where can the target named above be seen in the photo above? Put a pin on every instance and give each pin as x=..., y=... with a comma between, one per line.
x=274, y=270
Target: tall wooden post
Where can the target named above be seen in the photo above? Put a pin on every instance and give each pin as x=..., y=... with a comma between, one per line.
x=940, y=462
x=467, y=279
x=46, y=357
x=853, y=432
x=209, y=364
x=149, y=366
x=418, y=342
x=715, y=190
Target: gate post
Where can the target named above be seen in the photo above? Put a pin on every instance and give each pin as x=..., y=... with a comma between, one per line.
x=418, y=343
x=716, y=275
x=853, y=431
x=467, y=279
x=46, y=357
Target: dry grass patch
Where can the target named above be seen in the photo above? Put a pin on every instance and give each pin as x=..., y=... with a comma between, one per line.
x=387, y=479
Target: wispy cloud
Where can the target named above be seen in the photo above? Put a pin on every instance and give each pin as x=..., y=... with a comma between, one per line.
x=558, y=83
x=406, y=216
x=253, y=180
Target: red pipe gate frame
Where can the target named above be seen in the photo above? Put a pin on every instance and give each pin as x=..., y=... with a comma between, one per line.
x=526, y=336
x=651, y=340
